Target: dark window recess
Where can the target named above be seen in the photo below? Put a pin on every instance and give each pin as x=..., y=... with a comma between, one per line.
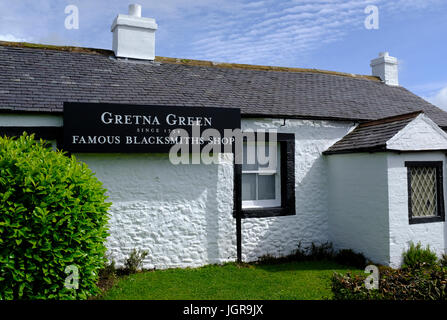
x=425, y=191
x=287, y=173
x=45, y=133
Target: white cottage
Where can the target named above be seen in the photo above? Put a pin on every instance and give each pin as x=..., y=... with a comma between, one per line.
x=361, y=158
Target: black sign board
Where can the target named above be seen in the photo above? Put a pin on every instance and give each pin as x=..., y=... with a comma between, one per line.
x=99, y=128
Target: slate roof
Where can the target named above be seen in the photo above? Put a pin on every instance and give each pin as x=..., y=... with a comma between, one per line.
x=372, y=135
x=41, y=79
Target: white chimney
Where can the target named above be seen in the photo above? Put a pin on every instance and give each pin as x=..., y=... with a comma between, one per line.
x=134, y=36
x=386, y=68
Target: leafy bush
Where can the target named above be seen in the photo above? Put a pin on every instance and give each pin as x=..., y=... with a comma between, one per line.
x=417, y=257
x=52, y=215
x=443, y=260
x=135, y=261
x=401, y=284
x=350, y=258
x=350, y=287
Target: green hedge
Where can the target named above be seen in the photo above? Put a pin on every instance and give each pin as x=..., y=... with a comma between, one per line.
x=53, y=214
x=400, y=284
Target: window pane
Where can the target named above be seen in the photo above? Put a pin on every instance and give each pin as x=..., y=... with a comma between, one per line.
x=265, y=153
x=250, y=162
x=249, y=186
x=271, y=154
x=266, y=187
x=423, y=191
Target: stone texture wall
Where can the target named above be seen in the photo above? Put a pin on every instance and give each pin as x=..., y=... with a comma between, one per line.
x=420, y=134
x=183, y=214
x=401, y=231
x=278, y=236
x=368, y=208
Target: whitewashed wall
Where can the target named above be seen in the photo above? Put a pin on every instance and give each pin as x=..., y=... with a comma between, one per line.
x=420, y=134
x=183, y=214
x=368, y=207
x=401, y=232
x=358, y=205
x=278, y=236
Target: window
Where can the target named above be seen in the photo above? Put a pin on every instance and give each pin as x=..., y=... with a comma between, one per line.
x=425, y=191
x=261, y=183
x=265, y=190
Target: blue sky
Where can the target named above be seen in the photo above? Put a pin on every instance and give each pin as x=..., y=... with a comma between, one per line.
x=322, y=34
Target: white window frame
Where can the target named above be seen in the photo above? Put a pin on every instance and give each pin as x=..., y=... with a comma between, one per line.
x=271, y=203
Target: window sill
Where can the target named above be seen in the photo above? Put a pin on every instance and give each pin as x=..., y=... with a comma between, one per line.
x=426, y=220
x=261, y=204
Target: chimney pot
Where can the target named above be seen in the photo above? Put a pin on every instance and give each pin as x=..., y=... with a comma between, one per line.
x=135, y=10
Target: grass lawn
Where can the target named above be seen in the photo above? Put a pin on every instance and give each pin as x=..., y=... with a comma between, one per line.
x=290, y=280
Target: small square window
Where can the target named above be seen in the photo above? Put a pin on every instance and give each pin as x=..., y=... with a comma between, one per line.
x=425, y=191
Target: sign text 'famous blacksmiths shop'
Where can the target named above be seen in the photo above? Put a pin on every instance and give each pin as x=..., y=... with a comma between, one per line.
x=92, y=127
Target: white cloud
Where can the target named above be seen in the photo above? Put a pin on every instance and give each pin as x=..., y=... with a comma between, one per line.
x=289, y=30
x=277, y=33
x=245, y=31
x=440, y=98
x=12, y=38
x=402, y=5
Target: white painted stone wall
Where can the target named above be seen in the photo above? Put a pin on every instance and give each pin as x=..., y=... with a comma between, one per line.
x=401, y=232
x=368, y=206
x=183, y=214
x=278, y=236
x=420, y=134
x=358, y=205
